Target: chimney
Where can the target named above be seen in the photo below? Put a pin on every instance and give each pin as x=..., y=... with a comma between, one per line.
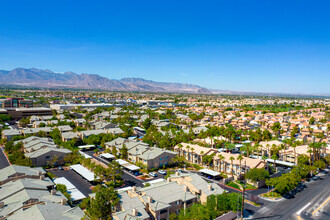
x=177, y=173
x=185, y=188
x=168, y=179
x=2, y=204
x=42, y=177
x=53, y=191
x=209, y=186
x=134, y=212
x=150, y=199
x=39, y=173
x=63, y=201
x=134, y=189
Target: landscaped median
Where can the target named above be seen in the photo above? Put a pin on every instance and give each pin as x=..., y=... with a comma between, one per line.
x=271, y=195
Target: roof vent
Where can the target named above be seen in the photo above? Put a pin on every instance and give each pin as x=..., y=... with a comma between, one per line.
x=63, y=201
x=209, y=186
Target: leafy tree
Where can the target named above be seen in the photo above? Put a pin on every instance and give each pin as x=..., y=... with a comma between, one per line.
x=303, y=159
x=312, y=121
x=101, y=206
x=147, y=123
x=257, y=174
x=319, y=164
x=4, y=117
x=124, y=152
x=62, y=188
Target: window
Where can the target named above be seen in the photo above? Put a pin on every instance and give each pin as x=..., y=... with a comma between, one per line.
x=160, y=164
x=161, y=158
x=47, y=157
x=163, y=211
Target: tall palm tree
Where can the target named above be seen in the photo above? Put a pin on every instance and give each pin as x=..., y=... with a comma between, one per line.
x=192, y=154
x=221, y=158
x=232, y=165
x=202, y=154
x=180, y=147
x=268, y=152
x=248, y=150
x=294, y=145
x=274, y=157
x=188, y=147
x=258, y=149
x=240, y=158
x=310, y=156
x=264, y=159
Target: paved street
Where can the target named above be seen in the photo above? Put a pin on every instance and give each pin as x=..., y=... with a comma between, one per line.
x=303, y=203
x=3, y=159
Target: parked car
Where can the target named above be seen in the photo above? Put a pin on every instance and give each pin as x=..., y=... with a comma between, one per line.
x=315, y=178
x=152, y=174
x=60, y=168
x=137, y=174
x=179, y=170
x=163, y=172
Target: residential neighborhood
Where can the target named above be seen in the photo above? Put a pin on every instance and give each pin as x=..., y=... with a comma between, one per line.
x=159, y=159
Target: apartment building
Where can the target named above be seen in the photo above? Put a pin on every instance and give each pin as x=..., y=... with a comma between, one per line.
x=43, y=151
x=26, y=192
x=157, y=201
x=196, y=185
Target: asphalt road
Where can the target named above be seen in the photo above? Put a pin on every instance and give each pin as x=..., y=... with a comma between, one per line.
x=303, y=203
x=78, y=181
x=3, y=159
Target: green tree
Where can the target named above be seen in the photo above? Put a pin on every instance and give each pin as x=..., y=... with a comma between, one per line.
x=257, y=174
x=147, y=123
x=124, y=152
x=102, y=205
x=312, y=121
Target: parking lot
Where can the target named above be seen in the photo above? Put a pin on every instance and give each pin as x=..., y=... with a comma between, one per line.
x=78, y=181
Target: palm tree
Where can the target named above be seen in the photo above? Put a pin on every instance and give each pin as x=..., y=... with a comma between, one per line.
x=310, y=156
x=192, y=154
x=180, y=147
x=221, y=158
x=232, y=165
x=188, y=147
x=264, y=159
x=294, y=145
x=202, y=153
x=240, y=158
x=248, y=150
x=258, y=149
x=274, y=157
x=267, y=145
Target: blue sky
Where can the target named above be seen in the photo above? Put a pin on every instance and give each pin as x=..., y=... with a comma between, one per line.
x=247, y=45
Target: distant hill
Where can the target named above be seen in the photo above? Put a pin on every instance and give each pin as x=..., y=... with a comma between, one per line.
x=46, y=78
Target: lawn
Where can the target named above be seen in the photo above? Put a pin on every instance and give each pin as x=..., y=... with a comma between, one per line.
x=236, y=186
x=232, y=184
x=247, y=186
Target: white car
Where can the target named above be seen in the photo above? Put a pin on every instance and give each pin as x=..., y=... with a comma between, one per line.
x=152, y=174
x=163, y=172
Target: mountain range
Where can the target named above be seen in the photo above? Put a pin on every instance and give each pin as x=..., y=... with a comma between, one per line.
x=46, y=78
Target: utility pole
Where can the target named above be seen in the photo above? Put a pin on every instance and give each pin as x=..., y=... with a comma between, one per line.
x=243, y=192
